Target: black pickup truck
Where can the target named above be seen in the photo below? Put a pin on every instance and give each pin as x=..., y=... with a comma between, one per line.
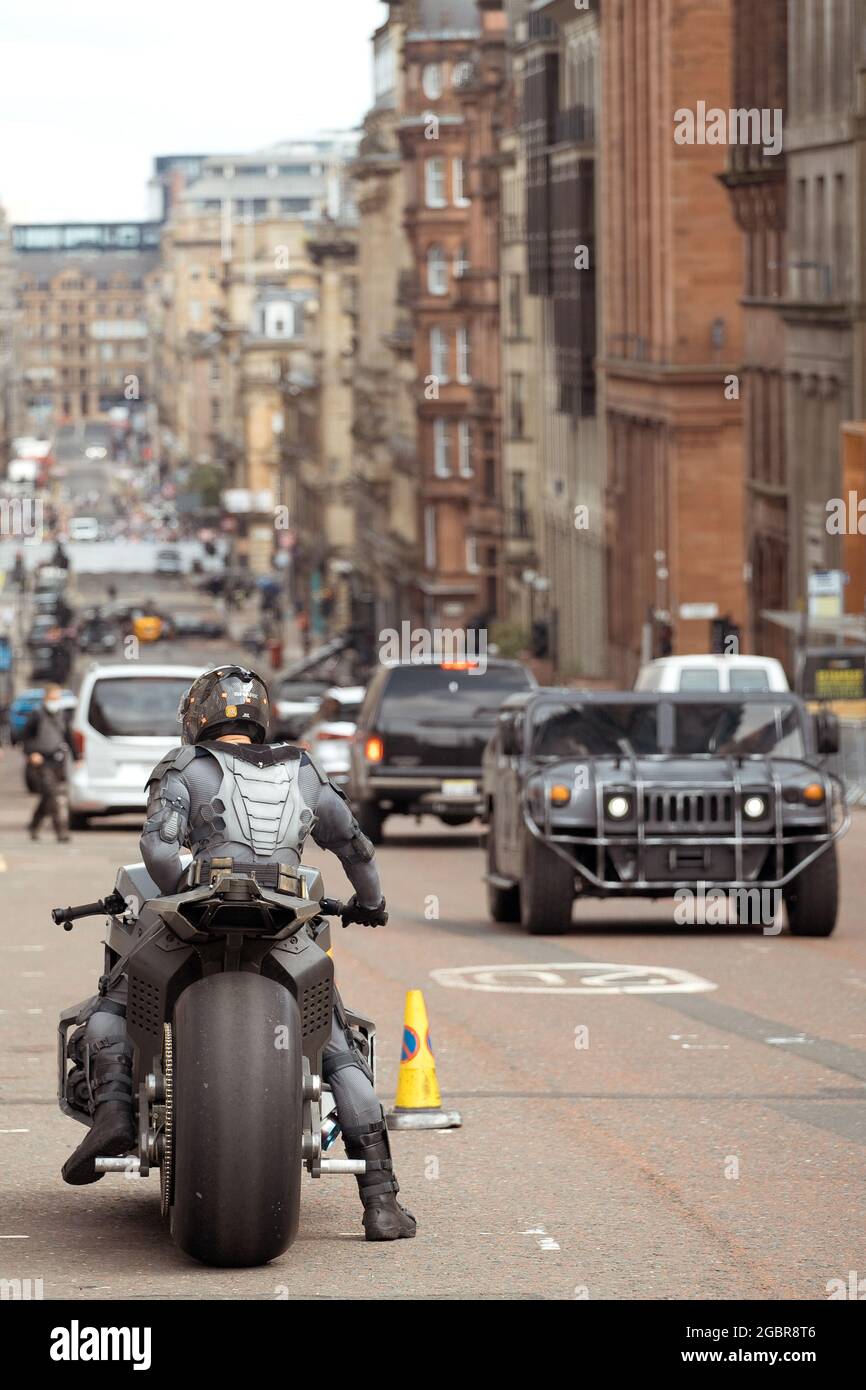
x=420, y=736
x=593, y=794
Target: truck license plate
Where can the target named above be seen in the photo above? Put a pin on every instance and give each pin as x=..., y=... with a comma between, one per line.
x=459, y=787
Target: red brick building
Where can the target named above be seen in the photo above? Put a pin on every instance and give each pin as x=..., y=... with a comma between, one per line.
x=453, y=55
x=672, y=332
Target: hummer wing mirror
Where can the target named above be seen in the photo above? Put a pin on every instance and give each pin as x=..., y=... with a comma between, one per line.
x=826, y=732
x=511, y=739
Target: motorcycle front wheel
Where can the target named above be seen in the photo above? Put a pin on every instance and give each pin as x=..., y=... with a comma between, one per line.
x=236, y=1120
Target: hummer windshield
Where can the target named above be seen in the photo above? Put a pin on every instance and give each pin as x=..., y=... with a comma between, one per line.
x=715, y=729
x=740, y=728
x=594, y=730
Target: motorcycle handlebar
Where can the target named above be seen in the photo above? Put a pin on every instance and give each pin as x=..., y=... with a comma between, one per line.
x=65, y=916
x=332, y=907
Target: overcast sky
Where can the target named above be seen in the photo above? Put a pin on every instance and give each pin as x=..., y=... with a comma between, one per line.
x=91, y=90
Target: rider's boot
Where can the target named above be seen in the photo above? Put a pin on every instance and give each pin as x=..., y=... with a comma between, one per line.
x=384, y=1218
x=113, y=1130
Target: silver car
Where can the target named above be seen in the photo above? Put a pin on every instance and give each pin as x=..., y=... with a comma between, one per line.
x=330, y=732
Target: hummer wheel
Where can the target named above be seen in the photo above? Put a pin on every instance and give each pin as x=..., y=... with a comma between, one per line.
x=503, y=904
x=812, y=898
x=546, y=890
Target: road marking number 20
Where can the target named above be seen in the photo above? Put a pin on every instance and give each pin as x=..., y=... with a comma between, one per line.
x=593, y=977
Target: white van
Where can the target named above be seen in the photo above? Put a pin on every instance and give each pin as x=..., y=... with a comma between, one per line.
x=125, y=723
x=711, y=675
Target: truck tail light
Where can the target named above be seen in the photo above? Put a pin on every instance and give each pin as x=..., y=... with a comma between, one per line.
x=78, y=741
x=374, y=749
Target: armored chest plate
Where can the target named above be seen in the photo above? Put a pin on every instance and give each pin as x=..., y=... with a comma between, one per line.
x=264, y=807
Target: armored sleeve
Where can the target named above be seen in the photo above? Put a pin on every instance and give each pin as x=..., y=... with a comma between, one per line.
x=165, y=829
x=337, y=830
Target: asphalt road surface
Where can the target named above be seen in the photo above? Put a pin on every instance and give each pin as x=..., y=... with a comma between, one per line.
x=622, y=1138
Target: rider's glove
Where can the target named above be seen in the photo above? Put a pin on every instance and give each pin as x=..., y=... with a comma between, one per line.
x=365, y=916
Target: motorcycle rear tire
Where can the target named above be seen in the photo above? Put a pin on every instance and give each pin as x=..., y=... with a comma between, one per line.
x=237, y=1117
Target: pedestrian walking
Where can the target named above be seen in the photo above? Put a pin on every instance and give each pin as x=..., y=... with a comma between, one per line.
x=47, y=741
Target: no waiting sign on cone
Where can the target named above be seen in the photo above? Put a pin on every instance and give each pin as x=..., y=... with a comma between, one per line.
x=419, y=1102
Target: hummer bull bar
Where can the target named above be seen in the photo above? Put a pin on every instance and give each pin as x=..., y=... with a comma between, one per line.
x=567, y=846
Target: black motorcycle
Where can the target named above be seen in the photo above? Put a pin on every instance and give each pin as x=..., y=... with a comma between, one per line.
x=230, y=1001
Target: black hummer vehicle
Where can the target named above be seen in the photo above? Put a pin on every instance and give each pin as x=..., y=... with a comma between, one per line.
x=599, y=794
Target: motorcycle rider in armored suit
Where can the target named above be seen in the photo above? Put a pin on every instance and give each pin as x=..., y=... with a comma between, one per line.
x=226, y=793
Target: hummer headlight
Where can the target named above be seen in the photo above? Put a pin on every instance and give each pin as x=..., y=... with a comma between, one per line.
x=618, y=807
x=754, y=807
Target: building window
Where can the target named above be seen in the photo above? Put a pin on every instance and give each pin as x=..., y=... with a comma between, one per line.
x=515, y=305
x=464, y=355
x=461, y=262
x=434, y=182
x=472, y=555
x=464, y=448
x=516, y=406
x=437, y=271
x=430, y=548
x=458, y=184
x=384, y=70
x=439, y=353
x=519, y=510
x=442, y=448
x=462, y=73
x=431, y=80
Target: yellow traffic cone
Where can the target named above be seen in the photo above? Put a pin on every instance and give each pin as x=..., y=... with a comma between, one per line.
x=419, y=1102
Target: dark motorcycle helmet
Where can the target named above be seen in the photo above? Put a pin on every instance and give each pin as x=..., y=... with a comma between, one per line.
x=229, y=700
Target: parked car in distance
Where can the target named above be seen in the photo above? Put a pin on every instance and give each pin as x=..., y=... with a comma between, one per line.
x=597, y=794
x=97, y=634
x=44, y=627
x=191, y=625
x=330, y=732
x=24, y=704
x=707, y=675
x=50, y=579
x=52, y=660
x=125, y=722
x=420, y=738
x=169, y=562
x=294, y=704
x=83, y=528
